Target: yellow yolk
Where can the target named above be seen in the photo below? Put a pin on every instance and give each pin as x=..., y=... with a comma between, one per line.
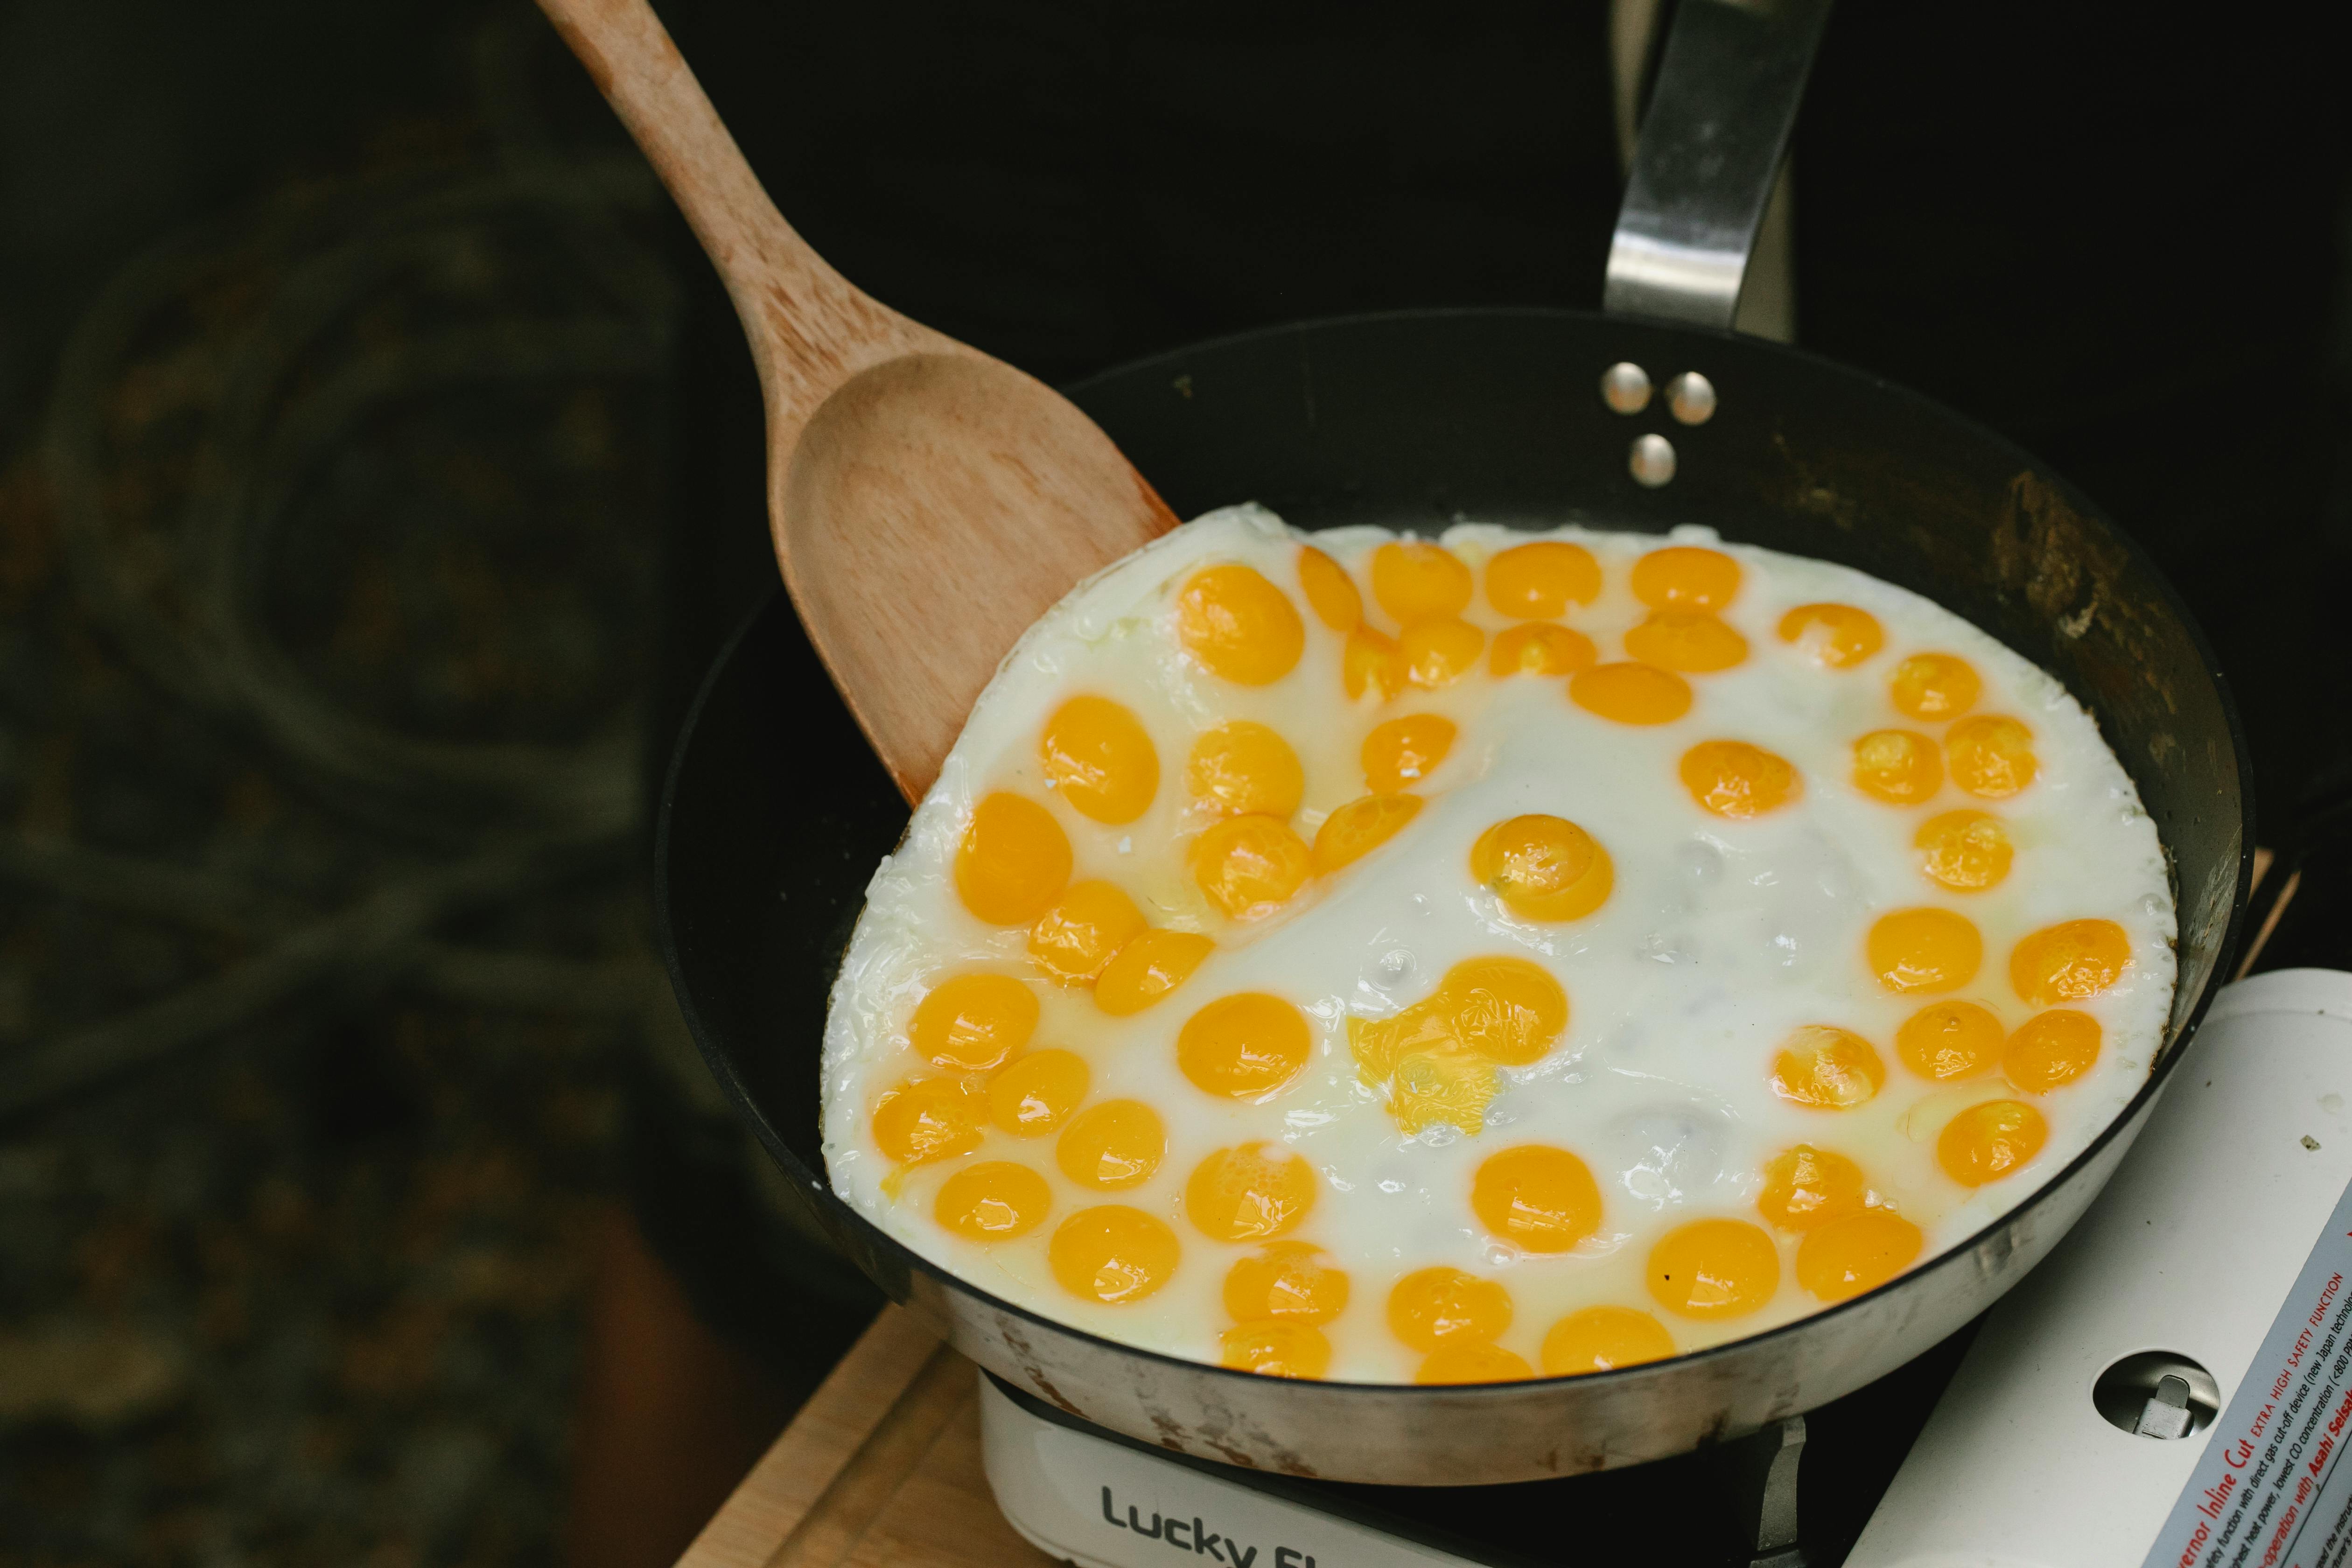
x=1147, y=968
x=1934, y=686
x=1112, y=1253
x=1967, y=851
x=1838, y=636
x=1099, y=758
x=1288, y=1280
x=1685, y=577
x=1239, y=626
x=1414, y=581
x=1276, y=1350
x=1506, y=1009
x=1603, y=1338
x=1690, y=640
x=1541, y=648
x=1536, y=582
x=1437, y=653
x=1542, y=867
x=1244, y=1045
x=1427, y=1087
x=1075, y=940
x=1948, y=1039
x=1249, y=866
x=1330, y=592
x=929, y=1118
x=1037, y=1094
x=1243, y=769
x=1986, y=1142
x=1898, y=766
x=1428, y=1074
x=2068, y=961
x=1543, y=1198
x=1112, y=1144
x=1733, y=779
x=1805, y=1186
x=1825, y=1068
x=1467, y=1361
x=1013, y=861
x=1858, y=1253
x=1359, y=827
x=1991, y=756
x=973, y=1022
x=1713, y=1268
x=2050, y=1049
x=1371, y=662
x=1405, y=750
x=1432, y=1306
x=1924, y=950
x=992, y=1201
x=1631, y=693
x=1249, y=1192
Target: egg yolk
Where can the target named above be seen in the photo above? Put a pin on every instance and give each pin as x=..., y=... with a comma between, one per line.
x=1098, y=755
x=1603, y=1338
x=929, y=1118
x=1147, y=968
x=1239, y=626
x=1685, y=577
x=1405, y=750
x=992, y=1201
x=1249, y=866
x=1431, y=1306
x=1631, y=693
x=1276, y=1350
x=1542, y=867
x=1285, y=1281
x=1112, y=1253
x=1371, y=662
x=1542, y=1197
x=1538, y=647
x=1471, y=1361
x=1690, y=640
x=2050, y=1049
x=1537, y=581
x=1948, y=1039
x=1112, y=1144
x=1245, y=769
x=1013, y=861
x=1827, y=1069
x=1076, y=939
x=2068, y=961
x=1414, y=581
x=1837, y=636
x=1967, y=851
x=1245, y=1045
x=1037, y=1094
x=971, y=1023
x=1934, y=686
x=1453, y=1087
x=1249, y=1192
x=1359, y=827
x=1437, y=653
x=1858, y=1253
x=1924, y=950
x=1898, y=766
x=1986, y=1142
x=1805, y=1186
x=1508, y=1010
x=1330, y=592
x=1713, y=1268
x=1733, y=779
x=1992, y=756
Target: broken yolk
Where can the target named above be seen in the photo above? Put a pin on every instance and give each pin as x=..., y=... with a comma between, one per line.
x=1431, y=1306
x=1471, y=1361
x=1508, y=1010
x=1537, y=581
x=1688, y=640
x=1898, y=766
x=1713, y=1268
x=2050, y=1049
x=1276, y=1350
x=2069, y=962
x=1733, y=779
x=1991, y=755
x=1112, y=1253
x=1858, y=1253
x=1946, y=1040
x=1098, y=755
x=1415, y=581
x=1934, y=686
x=1967, y=851
x=1147, y=968
x=1825, y=1068
x=1113, y=1144
x=971, y=1023
x=1685, y=577
x=1603, y=1338
x=1359, y=827
x=1249, y=1192
x=1286, y=1281
x=1837, y=636
x=1805, y=1186
x=992, y=1201
x=1371, y=662
x=1244, y=1045
x=1013, y=861
x=1330, y=592
x=1249, y=866
x=1542, y=1197
x=1037, y=1094
x=1239, y=626
x=1924, y=948
x=1405, y=750
x=1245, y=769
x=1542, y=867
x=1986, y=1142
x=929, y=1118
x=1539, y=647
x=1075, y=940
x=1439, y=652
x=1628, y=693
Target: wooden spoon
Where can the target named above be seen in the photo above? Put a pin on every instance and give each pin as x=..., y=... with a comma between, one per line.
x=927, y=502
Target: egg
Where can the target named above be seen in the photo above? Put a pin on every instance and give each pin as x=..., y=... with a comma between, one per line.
x=1498, y=955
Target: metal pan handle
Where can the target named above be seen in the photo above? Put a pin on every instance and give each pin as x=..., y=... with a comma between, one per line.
x=1710, y=147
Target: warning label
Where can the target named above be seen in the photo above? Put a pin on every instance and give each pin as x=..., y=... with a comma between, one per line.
x=2272, y=1490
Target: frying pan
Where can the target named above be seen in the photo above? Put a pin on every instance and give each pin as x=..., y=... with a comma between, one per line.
x=1414, y=420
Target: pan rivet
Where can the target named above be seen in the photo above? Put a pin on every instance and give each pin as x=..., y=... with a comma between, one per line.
x=1691, y=396
x=1625, y=387
x=1652, y=461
